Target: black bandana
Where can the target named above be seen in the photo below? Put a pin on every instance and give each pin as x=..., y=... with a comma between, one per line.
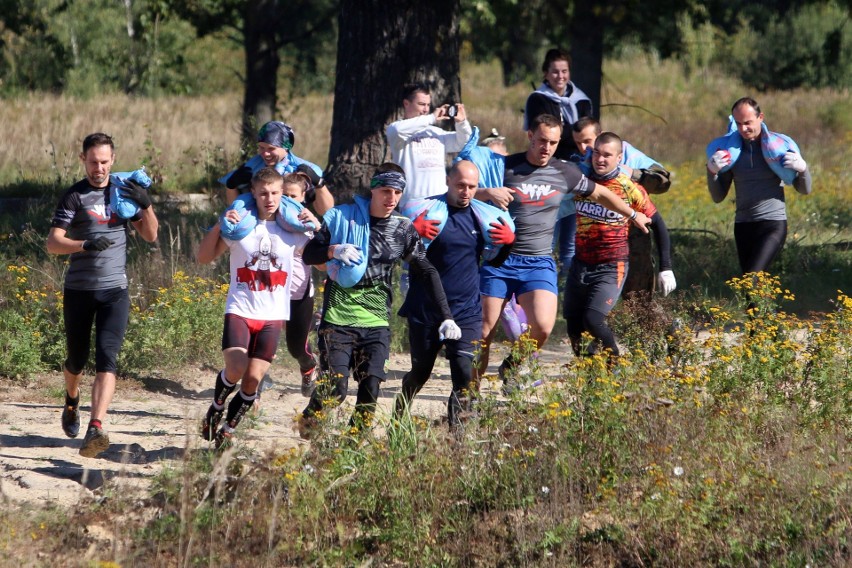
x=388, y=179
x=277, y=134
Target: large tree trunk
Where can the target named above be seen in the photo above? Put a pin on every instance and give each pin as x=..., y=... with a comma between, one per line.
x=381, y=47
x=262, y=63
x=587, y=31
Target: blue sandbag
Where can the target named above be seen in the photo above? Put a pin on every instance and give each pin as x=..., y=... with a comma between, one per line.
x=246, y=207
x=123, y=206
x=287, y=216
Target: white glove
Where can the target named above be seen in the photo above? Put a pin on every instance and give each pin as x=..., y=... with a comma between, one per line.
x=794, y=161
x=449, y=330
x=347, y=254
x=718, y=160
x=667, y=282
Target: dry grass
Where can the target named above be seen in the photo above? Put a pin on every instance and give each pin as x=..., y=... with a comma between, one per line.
x=691, y=111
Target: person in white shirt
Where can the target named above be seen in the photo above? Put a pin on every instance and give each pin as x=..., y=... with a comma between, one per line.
x=419, y=147
x=258, y=304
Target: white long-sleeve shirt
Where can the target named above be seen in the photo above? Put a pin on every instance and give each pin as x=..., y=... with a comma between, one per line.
x=419, y=147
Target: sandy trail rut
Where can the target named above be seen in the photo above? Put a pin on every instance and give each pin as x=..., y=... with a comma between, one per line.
x=153, y=422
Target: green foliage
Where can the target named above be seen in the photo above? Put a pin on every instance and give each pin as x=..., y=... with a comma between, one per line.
x=182, y=324
x=32, y=336
x=810, y=47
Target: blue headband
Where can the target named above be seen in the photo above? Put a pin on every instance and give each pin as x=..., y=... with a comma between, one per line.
x=393, y=180
x=277, y=134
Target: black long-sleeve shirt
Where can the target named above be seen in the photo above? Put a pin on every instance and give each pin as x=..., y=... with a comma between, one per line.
x=367, y=303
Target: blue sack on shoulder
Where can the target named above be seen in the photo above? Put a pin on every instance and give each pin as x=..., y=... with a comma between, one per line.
x=122, y=206
x=287, y=216
x=245, y=206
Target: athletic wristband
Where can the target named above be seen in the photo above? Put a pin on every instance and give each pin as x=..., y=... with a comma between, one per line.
x=633, y=216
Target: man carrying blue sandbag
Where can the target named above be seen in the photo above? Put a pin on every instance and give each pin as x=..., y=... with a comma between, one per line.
x=360, y=243
x=467, y=227
x=275, y=142
x=86, y=227
x=759, y=162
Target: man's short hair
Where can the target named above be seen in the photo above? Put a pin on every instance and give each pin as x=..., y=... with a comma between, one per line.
x=607, y=137
x=585, y=122
x=389, y=167
x=547, y=120
x=296, y=179
x=555, y=54
x=266, y=175
x=746, y=101
x=97, y=139
x=410, y=90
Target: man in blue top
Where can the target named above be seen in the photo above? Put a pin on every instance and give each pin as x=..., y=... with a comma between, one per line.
x=455, y=253
x=85, y=227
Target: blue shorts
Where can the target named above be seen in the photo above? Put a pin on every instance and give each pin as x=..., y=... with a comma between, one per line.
x=518, y=275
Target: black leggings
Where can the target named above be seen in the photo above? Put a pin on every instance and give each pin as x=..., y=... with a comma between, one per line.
x=758, y=243
x=425, y=346
x=297, y=330
x=108, y=310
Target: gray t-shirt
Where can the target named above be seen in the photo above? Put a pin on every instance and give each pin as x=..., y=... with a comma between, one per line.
x=538, y=193
x=85, y=214
x=759, y=190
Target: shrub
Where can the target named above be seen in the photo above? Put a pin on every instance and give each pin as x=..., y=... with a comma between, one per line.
x=811, y=47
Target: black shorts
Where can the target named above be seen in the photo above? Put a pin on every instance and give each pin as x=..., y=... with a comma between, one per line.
x=364, y=350
x=259, y=338
x=108, y=310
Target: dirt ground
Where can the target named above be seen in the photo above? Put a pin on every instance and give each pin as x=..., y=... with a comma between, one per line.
x=153, y=421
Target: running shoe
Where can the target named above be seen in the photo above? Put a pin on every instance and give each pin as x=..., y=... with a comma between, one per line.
x=309, y=381
x=95, y=442
x=71, y=421
x=224, y=437
x=210, y=422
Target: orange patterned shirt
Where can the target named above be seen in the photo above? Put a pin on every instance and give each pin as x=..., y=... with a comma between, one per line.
x=601, y=233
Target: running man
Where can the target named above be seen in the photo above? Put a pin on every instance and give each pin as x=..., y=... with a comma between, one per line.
x=537, y=183
x=760, y=225
x=455, y=252
x=298, y=327
x=600, y=266
x=361, y=242
x=258, y=304
x=95, y=291
x=653, y=178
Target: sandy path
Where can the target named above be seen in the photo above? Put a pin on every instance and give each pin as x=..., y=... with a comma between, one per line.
x=153, y=422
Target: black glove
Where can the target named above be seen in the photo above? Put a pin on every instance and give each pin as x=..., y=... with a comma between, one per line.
x=137, y=193
x=99, y=244
x=239, y=178
x=307, y=171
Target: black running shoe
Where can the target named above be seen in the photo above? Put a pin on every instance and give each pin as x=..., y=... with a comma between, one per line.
x=71, y=421
x=210, y=422
x=96, y=442
x=224, y=437
x=309, y=381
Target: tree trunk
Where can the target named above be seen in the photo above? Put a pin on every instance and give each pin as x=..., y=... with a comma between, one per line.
x=587, y=31
x=640, y=273
x=262, y=63
x=381, y=47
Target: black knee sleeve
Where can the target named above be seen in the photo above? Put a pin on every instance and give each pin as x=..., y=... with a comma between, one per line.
x=222, y=390
x=240, y=404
